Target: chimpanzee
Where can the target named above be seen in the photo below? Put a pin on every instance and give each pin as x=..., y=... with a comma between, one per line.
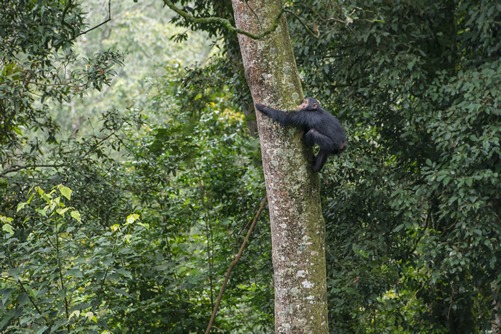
x=319, y=127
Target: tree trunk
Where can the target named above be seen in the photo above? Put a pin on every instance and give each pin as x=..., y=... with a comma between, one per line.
x=297, y=225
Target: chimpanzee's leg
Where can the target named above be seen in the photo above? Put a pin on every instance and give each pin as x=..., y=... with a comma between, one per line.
x=313, y=137
x=308, y=138
x=319, y=161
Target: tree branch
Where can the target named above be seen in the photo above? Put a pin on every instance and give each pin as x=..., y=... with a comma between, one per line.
x=224, y=22
x=18, y=168
x=233, y=263
x=100, y=24
x=308, y=30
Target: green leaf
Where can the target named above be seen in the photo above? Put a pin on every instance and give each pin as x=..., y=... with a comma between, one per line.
x=398, y=228
x=125, y=273
x=42, y=329
x=65, y=191
x=8, y=228
x=6, y=293
x=6, y=219
x=61, y=212
x=132, y=218
x=75, y=313
x=14, y=273
x=76, y=215
x=75, y=273
x=21, y=206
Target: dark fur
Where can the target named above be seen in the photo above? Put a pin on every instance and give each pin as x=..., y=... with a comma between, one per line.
x=319, y=127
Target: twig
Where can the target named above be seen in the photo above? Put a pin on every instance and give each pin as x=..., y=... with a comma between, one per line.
x=311, y=32
x=100, y=24
x=233, y=263
x=17, y=168
x=255, y=14
x=21, y=285
x=416, y=243
x=61, y=279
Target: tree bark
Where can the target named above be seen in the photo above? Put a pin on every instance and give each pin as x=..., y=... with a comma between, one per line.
x=297, y=224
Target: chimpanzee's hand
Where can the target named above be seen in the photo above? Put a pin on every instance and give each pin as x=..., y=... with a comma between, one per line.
x=260, y=107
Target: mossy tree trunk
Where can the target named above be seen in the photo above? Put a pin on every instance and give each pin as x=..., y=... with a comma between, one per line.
x=297, y=225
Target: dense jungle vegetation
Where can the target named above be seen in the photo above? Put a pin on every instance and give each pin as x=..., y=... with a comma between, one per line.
x=130, y=167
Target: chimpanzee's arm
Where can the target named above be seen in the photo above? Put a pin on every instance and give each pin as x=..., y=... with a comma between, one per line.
x=295, y=118
x=277, y=115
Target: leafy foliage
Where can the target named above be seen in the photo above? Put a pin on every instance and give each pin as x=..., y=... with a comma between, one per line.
x=163, y=196
x=415, y=204
x=34, y=67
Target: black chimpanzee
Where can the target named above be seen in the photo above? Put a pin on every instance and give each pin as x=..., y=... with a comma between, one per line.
x=319, y=127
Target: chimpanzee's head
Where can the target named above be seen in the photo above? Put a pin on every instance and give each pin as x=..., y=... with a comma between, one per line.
x=309, y=104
